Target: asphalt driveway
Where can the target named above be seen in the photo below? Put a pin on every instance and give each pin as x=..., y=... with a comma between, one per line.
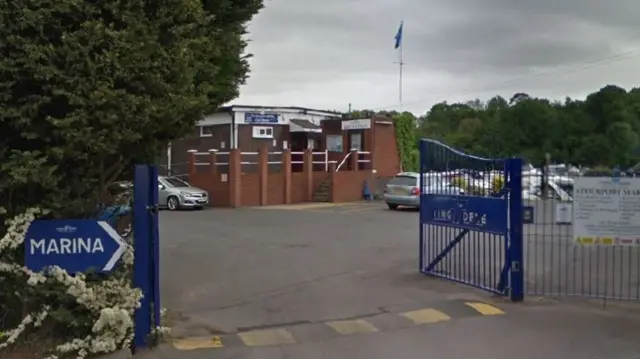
x=327, y=281
x=229, y=269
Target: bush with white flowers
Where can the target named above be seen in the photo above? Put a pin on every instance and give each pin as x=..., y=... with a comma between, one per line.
x=89, y=313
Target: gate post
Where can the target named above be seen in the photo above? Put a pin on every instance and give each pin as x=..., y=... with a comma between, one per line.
x=146, y=252
x=423, y=169
x=142, y=254
x=516, y=248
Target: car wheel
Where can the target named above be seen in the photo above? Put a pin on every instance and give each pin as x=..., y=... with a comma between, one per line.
x=173, y=203
x=392, y=206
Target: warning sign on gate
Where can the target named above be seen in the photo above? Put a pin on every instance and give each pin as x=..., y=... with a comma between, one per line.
x=606, y=212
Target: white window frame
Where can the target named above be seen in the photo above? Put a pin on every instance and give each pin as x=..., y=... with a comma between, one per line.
x=263, y=132
x=203, y=134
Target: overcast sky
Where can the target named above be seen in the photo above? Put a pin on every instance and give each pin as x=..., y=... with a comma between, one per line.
x=327, y=54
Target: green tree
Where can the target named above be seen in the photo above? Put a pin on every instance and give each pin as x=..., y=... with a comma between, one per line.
x=602, y=130
x=88, y=88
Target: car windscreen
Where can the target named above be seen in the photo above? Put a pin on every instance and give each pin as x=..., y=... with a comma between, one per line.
x=176, y=182
x=404, y=181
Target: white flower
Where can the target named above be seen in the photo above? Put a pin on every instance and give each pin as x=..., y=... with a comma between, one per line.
x=110, y=302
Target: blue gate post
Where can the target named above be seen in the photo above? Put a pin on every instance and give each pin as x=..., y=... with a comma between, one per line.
x=423, y=169
x=155, y=240
x=516, y=214
x=142, y=245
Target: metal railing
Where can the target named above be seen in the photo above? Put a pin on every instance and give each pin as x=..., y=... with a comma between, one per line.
x=354, y=152
x=324, y=155
x=561, y=263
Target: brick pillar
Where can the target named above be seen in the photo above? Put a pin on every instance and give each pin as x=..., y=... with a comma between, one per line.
x=286, y=176
x=308, y=175
x=192, y=163
x=213, y=167
x=263, y=173
x=354, y=159
x=234, y=177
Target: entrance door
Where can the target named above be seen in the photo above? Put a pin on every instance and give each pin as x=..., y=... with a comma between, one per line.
x=355, y=142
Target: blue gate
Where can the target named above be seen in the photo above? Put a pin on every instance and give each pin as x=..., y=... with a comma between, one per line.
x=471, y=219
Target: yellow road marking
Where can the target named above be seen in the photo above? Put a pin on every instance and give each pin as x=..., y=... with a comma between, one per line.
x=346, y=327
x=198, y=343
x=485, y=309
x=267, y=337
x=425, y=316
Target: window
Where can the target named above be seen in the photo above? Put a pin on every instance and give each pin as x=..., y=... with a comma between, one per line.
x=334, y=143
x=262, y=132
x=175, y=182
x=311, y=144
x=356, y=141
x=404, y=181
x=206, y=131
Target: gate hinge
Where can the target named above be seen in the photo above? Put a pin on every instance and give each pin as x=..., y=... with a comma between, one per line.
x=515, y=266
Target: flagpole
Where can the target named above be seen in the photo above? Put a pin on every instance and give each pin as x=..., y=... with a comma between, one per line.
x=400, y=64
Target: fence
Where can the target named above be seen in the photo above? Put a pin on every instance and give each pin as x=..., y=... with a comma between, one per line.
x=561, y=264
x=579, y=235
x=270, y=178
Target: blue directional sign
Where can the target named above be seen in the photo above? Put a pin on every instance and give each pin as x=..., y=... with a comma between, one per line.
x=75, y=245
x=483, y=214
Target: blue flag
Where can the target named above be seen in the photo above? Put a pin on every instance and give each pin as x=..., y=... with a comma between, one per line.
x=399, y=36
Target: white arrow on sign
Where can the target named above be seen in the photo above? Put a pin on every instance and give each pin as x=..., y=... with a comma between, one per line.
x=116, y=237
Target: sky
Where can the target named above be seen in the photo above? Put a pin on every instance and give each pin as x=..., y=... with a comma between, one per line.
x=332, y=53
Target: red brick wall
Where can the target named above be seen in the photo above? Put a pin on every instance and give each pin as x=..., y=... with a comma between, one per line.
x=386, y=159
x=347, y=185
x=267, y=185
x=264, y=186
x=218, y=190
x=249, y=190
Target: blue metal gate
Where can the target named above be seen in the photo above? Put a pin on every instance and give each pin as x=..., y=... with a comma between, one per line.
x=471, y=219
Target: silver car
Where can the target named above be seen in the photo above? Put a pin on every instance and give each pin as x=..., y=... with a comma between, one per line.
x=404, y=189
x=175, y=193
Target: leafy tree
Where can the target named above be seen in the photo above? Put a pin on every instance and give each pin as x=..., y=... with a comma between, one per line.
x=88, y=88
x=602, y=130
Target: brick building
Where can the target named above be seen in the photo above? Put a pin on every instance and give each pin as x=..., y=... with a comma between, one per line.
x=252, y=155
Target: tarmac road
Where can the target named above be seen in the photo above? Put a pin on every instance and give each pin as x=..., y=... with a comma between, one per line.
x=323, y=281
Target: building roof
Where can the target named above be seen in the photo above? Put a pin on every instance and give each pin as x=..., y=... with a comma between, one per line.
x=304, y=123
x=280, y=108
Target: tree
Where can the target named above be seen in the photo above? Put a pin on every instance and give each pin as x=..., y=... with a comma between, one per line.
x=602, y=130
x=88, y=88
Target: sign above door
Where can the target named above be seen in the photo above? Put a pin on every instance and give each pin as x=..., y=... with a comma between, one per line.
x=363, y=124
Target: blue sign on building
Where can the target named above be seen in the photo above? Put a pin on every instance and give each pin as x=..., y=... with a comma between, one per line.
x=257, y=118
x=75, y=245
x=484, y=214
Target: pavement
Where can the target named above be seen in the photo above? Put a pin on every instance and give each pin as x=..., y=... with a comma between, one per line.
x=341, y=281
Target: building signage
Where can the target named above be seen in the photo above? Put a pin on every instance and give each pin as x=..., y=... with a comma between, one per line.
x=260, y=118
x=606, y=211
x=483, y=214
x=363, y=124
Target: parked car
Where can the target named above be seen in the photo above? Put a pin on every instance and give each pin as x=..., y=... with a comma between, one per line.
x=174, y=193
x=404, y=189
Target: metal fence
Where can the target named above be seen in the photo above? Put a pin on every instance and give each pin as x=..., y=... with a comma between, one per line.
x=556, y=264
